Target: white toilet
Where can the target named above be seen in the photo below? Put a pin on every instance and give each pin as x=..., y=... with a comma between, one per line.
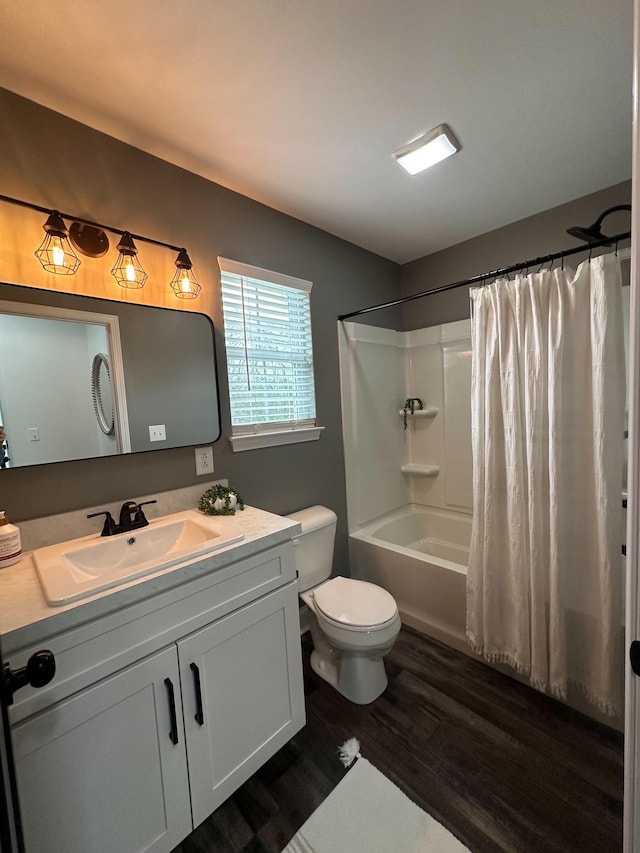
x=353, y=623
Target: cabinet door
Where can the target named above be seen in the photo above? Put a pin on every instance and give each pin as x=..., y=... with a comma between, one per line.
x=242, y=695
x=100, y=772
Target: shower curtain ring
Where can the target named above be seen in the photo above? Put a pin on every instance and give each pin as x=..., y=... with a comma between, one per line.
x=590, y=251
x=616, y=247
x=562, y=261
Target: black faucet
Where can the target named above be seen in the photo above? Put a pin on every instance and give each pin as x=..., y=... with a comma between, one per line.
x=132, y=517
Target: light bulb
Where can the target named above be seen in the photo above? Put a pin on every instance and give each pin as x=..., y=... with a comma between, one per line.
x=130, y=272
x=58, y=254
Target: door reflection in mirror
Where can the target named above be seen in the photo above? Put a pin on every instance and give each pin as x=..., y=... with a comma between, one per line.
x=4, y=454
x=45, y=382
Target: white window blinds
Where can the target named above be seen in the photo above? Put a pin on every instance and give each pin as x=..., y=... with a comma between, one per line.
x=267, y=329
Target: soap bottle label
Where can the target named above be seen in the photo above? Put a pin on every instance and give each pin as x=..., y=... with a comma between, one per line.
x=10, y=547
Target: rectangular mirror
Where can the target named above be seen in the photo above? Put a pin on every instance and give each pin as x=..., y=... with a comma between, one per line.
x=82, y=377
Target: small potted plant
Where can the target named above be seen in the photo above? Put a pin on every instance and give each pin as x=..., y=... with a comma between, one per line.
x=220, y=500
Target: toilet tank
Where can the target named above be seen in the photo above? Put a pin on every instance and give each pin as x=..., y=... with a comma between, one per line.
x=314, y=545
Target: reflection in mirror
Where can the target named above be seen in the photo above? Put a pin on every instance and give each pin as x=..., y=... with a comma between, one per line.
x=83, y=377
x=102, y=393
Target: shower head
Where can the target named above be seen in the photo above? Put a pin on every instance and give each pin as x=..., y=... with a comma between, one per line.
x=590, y=235
x=593, y=233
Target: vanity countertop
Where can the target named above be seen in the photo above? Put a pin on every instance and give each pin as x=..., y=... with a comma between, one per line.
x=26, y=618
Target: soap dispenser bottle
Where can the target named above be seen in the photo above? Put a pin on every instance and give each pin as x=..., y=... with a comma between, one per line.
x=10, y=544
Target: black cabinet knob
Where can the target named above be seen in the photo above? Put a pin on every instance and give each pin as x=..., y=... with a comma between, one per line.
x=40, y=669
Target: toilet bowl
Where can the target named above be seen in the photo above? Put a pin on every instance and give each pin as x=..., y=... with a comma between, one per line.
x=353, y=623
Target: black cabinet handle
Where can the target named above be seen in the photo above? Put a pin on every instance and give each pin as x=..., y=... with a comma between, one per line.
x=196, y=680
x=173, y=734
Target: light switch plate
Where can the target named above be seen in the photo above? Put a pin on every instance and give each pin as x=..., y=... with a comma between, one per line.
x=204, y=460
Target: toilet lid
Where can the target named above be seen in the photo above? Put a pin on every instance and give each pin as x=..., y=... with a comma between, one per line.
x=356, y=603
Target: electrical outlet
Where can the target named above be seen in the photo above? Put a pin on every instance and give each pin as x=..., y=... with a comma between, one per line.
x=204, y=460
x=157, y=433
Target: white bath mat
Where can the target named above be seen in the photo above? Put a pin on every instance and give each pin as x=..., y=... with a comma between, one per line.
x=367, y=813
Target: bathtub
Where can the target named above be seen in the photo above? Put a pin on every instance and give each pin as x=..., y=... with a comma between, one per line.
x=420, y=555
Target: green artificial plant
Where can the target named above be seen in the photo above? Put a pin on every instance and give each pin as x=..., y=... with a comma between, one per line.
x=410, y=405
x=220, y=500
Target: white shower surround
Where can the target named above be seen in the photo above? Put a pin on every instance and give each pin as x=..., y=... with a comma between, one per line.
x=396, y=518
x=431, y=592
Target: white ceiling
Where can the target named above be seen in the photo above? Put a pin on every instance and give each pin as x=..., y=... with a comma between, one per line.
x=300, y=103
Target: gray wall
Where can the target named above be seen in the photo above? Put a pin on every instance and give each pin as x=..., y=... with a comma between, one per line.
x=544, y=233
x=169, y=375
x=50, y=160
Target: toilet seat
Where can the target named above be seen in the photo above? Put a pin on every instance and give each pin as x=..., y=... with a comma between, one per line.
x=354, y=605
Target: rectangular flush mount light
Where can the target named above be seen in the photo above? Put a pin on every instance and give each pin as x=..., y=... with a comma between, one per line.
x=427, y=150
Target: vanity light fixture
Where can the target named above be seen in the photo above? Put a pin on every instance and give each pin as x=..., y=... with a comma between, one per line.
x=427, y=150
x=184, y=283
x=127, y=270
x=55, y=253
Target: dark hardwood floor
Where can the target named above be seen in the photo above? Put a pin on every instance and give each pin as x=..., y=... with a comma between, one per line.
x=499, y=764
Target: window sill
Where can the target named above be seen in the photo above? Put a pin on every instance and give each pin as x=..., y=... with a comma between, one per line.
x=256, y=440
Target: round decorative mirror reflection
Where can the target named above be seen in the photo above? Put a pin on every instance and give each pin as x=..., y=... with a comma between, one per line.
x=102, y=393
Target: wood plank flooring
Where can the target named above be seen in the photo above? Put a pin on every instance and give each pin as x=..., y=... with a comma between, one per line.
x=500, y=765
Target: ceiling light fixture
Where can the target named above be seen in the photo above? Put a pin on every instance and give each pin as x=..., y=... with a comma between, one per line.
x=127, y=270
x=55, y=252
x=184, y=283
x=427, y=150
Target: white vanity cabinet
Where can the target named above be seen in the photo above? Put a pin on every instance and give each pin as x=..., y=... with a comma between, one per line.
x=98, y=771
x=136, y=759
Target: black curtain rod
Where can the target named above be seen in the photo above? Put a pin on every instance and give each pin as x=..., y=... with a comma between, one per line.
x=73, y=218
x=478, y=279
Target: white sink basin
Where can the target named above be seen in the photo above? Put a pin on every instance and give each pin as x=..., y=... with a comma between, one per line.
x=81, y=567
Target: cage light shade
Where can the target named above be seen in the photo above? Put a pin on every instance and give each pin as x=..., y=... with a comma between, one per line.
x=427, y=150
x=184, y=283
x=127, y=270
x=55, y=253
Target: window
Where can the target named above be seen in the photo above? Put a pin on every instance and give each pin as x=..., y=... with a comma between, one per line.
x=267, y=331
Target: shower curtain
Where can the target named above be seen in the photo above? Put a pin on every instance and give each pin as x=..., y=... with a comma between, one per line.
x=544, y=588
